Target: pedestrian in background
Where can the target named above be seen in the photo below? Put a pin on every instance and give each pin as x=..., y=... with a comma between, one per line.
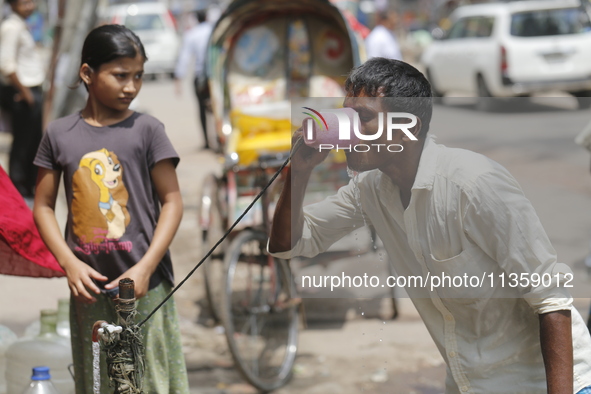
x=124, y=207
x=21, y=94
x=382, y=42
x=194, y=47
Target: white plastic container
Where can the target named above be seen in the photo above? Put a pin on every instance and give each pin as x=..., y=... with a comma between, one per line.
x=41, y=382
x=63, y=323
x=7, y=338
x=63, y=317
x=32, y=330
x=47, y=349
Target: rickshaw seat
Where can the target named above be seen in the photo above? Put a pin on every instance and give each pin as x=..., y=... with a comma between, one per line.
x=256, y=135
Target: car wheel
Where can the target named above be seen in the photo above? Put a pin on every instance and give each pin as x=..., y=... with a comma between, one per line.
x=437, y=95
x=484, y=101
x=583, y=98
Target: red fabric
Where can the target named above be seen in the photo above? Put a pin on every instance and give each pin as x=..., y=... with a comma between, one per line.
x=22, y=252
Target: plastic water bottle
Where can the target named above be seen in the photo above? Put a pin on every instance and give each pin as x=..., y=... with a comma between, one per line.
x=63, y=322
x=32, y=330
x=48, y=349
x=40, y=382
x=63, y=318
x=7, y=338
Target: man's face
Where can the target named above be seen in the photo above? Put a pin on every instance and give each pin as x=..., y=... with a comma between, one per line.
x=369, y=110
x=392, y=20
x=23, y=8
x=383, y=151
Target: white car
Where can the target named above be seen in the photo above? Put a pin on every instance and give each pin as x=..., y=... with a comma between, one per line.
x=156, y=27
x=514, y=49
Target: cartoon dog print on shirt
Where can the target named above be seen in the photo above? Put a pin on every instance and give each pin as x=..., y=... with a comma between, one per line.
x=99, y=202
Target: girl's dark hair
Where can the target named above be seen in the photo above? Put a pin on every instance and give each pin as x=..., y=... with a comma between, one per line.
x=109, y=42
x=404, y=87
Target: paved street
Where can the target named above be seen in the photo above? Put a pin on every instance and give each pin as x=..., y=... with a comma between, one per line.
x=351, y=346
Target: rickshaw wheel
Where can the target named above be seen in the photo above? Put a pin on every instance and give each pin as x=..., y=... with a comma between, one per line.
x=259, y=312
x=213, y=230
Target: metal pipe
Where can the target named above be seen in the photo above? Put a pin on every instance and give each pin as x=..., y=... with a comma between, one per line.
x=126, y=298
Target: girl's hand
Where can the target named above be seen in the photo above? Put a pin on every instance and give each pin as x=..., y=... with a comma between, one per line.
x=80, y=276
x=140, y=277
x=165, y=181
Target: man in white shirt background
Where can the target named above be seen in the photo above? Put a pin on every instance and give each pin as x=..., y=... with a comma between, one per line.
x=445, y=211
x=381, y=42
x=21, y=95
x=194, y=48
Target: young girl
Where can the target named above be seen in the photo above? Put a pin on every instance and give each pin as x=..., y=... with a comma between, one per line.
x=117, y=165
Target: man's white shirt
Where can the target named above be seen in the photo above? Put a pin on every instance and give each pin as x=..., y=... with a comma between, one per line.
x=194, y=47
x=381, y=42
x=467, y=215
x=18, y=53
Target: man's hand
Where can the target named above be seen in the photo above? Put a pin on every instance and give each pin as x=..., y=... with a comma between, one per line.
x=178, y=89
x=305, y=158
x=80, y=276
x=284, y=232
x=25, y=95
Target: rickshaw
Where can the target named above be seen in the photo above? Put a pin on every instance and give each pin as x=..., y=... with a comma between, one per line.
x=262, y=54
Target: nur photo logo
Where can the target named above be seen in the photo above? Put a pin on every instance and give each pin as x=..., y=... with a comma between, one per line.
x=339, y=129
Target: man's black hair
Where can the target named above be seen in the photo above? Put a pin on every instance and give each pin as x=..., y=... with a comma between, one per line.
x=405, y=87
x=201, y=16
x=11, y=1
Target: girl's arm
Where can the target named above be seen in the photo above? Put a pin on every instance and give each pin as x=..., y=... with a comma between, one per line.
x=167, y=186
x=79, y=274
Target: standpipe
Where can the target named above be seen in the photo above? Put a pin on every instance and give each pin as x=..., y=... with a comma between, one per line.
x=122, y=345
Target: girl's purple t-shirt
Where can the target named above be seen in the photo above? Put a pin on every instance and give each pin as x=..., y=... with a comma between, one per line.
x=113, y=207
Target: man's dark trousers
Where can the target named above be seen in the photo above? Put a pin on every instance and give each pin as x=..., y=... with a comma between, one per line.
x=202, y=94
x=26, y=123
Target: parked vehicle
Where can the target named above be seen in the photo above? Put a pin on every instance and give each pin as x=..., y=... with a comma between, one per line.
x=156, y=27
x=514, y=49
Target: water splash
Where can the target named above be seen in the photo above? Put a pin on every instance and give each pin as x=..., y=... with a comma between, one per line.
x=354, y=175
x=96, y=371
